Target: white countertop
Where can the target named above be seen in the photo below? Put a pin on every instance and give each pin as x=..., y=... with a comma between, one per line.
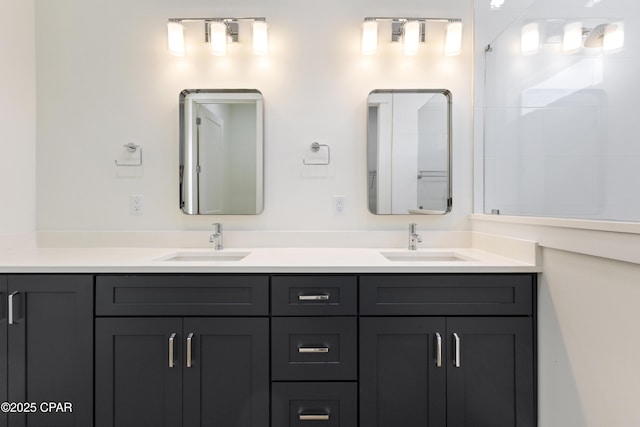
x=259, y=260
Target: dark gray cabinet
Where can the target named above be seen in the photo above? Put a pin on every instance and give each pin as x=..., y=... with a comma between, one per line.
x=491, y=383
x=226, y=382
x=46, y=342
x=135, y=383
x=401, y=381
x=453, y=371
x=182, y=371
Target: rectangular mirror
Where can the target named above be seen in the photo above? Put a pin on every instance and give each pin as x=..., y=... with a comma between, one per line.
x=409, y=152
x=221, y=152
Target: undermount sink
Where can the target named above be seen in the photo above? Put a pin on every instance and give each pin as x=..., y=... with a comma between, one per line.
x=205, y=256
x=411, y=256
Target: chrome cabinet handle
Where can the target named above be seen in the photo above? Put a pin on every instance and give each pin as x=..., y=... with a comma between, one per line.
x=313, y=297
x=189, y=342
x=438, y=350
x=323, y=417
x=10, y=319
x=171, y=349
x=313, y=349
x=456, y=350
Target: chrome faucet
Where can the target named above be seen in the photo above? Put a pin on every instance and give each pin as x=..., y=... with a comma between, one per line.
x=216, y=237
x=414, y=238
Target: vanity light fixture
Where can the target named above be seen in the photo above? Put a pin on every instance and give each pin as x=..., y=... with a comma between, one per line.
x=530, y=38
x=411, y=32
x=572, y=37
x=175, y=37
x=369, y=36
x=613, y=37
x=218, y=33
x=260, y=37
x=217, y=37
x=496, y=4
x=410, y=37
x=453, y=41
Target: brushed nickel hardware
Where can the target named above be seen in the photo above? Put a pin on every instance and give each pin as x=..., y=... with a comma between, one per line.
x=131, y=148
x=313, y=349
x=315, y=147
x=438, y=350
x=189, y=346
x=313, y=297
x=414, y=237
x=323, y=417
x=171, y=349
x=216, y=237
x=456, y=350
x=11, y=314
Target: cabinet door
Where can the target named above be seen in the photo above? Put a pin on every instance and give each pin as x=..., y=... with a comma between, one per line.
x=3, y=347
x=491, y=382
x=226, y=372
x=139, y=372
x=401, y=381
x=50, y=342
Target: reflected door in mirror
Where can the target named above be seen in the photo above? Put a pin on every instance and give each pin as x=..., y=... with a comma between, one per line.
x=221, y=152
x=408, y=152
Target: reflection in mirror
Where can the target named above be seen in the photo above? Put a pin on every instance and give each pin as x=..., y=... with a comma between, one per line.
x=221, y=152
x=409, y=152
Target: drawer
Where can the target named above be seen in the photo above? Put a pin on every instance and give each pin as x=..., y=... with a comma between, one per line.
x=182, y=295
x=314, y=295
x=310, y=404
x=447, y=294
x=314, y=348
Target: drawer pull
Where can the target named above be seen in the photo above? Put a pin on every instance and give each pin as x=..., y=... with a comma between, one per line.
x=323, y=417
x=313, y=297
x=456, y=350
x=438, y=350
x=313, y=349
x=189, y=349
x=11, y=312
x=171, y=350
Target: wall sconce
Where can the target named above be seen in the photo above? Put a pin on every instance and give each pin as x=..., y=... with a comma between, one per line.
x=411, y=31
x=218, y=32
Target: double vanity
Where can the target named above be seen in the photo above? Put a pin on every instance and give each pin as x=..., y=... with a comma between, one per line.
x=265, y=337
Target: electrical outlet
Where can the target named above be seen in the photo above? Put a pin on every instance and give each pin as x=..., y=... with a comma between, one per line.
x=338, y=205
x=136, y=204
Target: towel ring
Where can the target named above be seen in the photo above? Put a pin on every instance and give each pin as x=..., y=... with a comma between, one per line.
x=315, y=147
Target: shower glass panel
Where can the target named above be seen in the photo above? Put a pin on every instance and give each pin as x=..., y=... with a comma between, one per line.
x=560, y=113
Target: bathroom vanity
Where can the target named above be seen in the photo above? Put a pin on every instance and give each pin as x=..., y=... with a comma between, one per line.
x=299, y=346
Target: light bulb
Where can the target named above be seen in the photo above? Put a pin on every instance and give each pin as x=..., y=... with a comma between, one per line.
x=260, y=37
x=411, y=37
x=175, y=38
x=572, y=39
x=530, y=38
x=218, y=38
x=453, y=42
x=369, y=37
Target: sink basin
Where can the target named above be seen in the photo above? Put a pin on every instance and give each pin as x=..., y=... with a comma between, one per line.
x=204, y=256
x=411, y=256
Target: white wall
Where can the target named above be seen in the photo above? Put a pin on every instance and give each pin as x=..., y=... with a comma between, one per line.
x=17, y=117
x=105, y=78
x=588, y=317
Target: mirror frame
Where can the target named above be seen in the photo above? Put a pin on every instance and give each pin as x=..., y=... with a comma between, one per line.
x=449, y=98
x=186, y=161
